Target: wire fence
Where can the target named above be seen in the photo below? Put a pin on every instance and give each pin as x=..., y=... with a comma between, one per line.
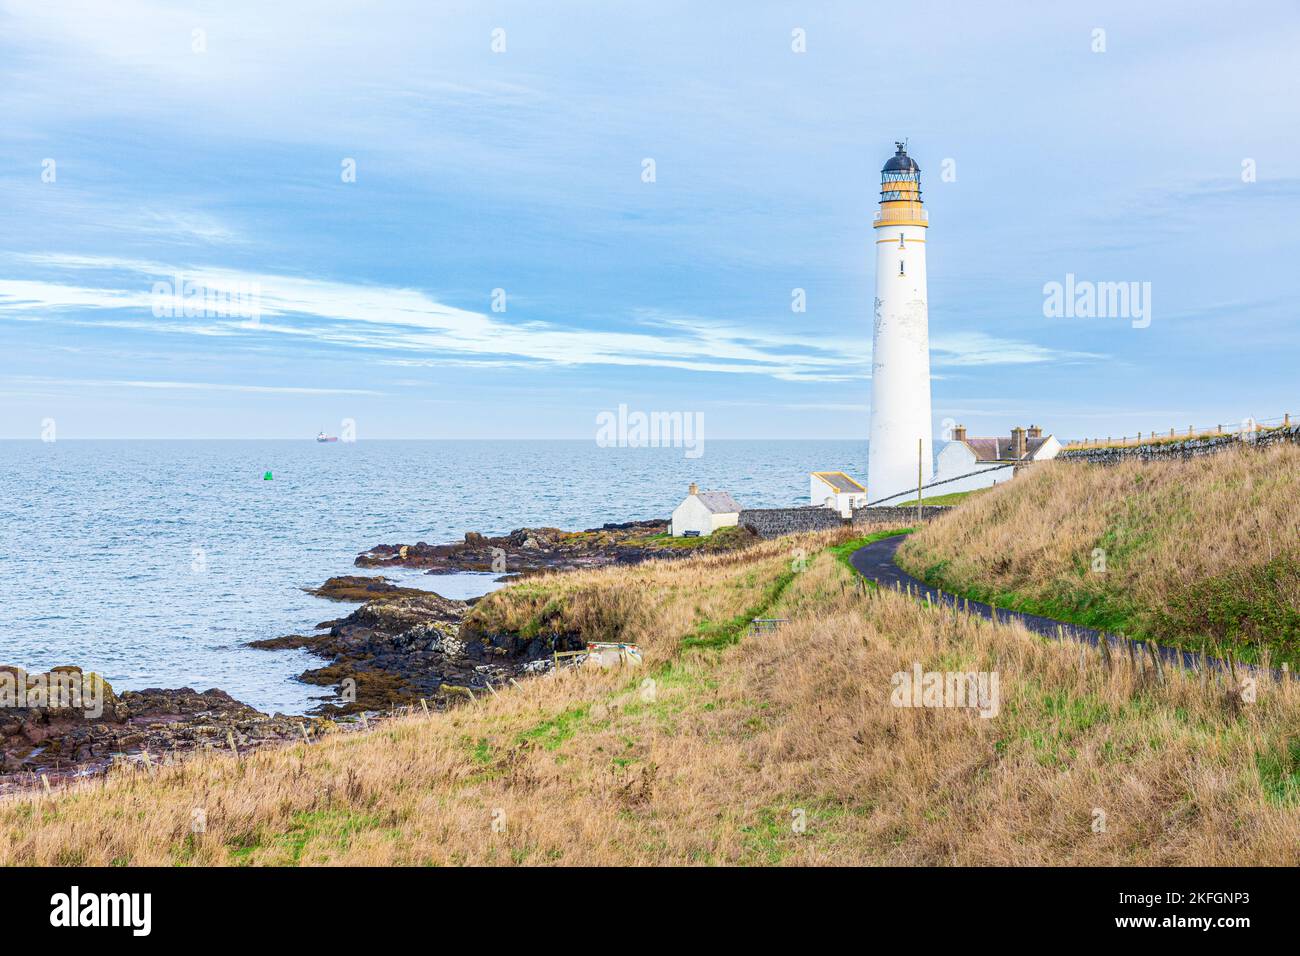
x=1244, y=427
x=935, y=484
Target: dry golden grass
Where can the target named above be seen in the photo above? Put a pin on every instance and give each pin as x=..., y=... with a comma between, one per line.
x=1201, y=551
x=587, y=767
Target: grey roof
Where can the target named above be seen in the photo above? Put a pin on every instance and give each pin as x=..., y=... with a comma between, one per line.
x=839, y=481
x=999, y=449
x=719, y=502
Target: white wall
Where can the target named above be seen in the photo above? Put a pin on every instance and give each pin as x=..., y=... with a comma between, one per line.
x=900, y=364
x=822, y=495
x=1050, y=449
x=725, y=519
x=955, y=459
x=986, y=478
x=819, y=492
x=691, y=515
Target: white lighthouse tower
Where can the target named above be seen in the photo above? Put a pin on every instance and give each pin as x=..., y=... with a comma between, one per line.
x=900, y=360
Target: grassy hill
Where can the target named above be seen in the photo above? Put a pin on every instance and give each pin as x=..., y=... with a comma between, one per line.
x=733, y=748
x=1202, y=554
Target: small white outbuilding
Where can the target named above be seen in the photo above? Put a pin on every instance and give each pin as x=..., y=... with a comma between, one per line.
x=836, y=490
x=704, y=512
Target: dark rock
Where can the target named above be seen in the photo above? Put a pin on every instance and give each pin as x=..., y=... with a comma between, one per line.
x=529, y=550
x=353, y=587
x=61, y=741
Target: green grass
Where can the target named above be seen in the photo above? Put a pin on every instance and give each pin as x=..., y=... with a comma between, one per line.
x=1239, y=611
x=555, y=731
x=1279, y=773
x=956, y=497
x=1168, y=576
x=1084, y=608
x=336, y=826
x=1244, y=607
x=717, y=634
x=724, y=539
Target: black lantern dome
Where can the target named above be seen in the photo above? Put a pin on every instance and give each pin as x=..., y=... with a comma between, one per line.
x=900, y=162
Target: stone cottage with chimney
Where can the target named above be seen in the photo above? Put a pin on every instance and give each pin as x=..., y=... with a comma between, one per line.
x=987, y=461
x=704, y=512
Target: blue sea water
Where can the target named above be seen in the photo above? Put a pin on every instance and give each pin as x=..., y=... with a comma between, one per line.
x=155, y=562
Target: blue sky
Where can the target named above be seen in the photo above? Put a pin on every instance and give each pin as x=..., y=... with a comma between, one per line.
x=522, y=171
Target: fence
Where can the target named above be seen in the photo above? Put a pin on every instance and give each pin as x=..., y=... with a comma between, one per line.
x=1246, y=426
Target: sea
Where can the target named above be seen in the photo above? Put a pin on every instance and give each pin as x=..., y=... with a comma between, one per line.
x=154, y=563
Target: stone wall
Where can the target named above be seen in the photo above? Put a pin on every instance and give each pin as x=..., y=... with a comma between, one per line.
x=1182, y=450
x=773, y=522
x=880, y=514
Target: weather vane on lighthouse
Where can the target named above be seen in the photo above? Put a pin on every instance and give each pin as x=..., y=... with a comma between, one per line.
x=900, y=359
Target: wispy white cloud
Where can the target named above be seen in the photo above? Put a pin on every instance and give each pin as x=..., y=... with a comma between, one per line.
x=980, y=348
x=384, y=318
x=191, y=386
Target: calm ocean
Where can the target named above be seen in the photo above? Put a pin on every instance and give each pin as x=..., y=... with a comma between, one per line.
x=154, y=562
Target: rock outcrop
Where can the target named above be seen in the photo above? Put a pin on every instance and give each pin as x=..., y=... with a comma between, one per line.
x=399, y=649
x=69, y=723
x=528, y=550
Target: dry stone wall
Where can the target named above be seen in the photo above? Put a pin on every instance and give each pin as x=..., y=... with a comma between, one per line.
x=1182, y=450
x=774, y=522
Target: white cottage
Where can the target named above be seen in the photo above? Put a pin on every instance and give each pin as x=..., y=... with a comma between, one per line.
x=989, y=458
x=835, y=489
x=704, y=512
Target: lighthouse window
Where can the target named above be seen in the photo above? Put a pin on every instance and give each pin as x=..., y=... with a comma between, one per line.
x=901, y=244
x=900, y=267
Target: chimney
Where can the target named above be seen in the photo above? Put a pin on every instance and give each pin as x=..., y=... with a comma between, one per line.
x=695, y=489
x=959, y=433
x=1035, y=431
x=1017, y=442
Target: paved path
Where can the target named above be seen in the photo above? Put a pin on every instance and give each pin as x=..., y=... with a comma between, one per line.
x=875, y=562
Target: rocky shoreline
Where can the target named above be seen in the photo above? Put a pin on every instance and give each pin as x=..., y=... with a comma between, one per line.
x=402, y=647
x=62, y=738
x=529, y=550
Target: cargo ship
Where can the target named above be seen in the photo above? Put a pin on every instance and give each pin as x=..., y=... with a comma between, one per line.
x=323, y=437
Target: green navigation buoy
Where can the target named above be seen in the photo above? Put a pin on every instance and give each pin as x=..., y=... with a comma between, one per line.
x=267, y=477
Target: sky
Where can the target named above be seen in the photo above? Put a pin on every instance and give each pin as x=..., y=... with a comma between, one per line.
x=443, y=216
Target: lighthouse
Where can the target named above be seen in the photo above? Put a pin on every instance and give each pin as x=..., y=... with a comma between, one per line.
x=900, y=355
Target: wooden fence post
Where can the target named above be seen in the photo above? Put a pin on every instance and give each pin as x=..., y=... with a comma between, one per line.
x=920, y=448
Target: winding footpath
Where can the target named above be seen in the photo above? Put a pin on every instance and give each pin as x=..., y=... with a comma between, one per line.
x=875, y=562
